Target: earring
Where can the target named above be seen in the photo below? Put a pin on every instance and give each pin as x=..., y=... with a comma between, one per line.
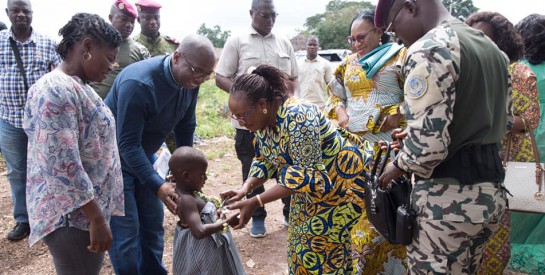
x=87, y=56
x=380, y=42
x=264, y=111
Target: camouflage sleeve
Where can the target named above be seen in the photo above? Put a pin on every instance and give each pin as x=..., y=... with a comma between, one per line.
x=429, y=100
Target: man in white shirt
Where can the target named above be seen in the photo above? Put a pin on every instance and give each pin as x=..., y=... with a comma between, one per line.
x=314, y=74
x=240, y=53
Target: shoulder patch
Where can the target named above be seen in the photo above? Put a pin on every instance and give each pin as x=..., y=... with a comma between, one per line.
x=417, y=86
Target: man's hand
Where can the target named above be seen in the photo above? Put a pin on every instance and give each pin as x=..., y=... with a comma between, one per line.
x=390, y=173
x=167, y=194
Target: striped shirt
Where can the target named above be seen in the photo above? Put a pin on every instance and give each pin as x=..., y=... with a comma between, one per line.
x=37, y=54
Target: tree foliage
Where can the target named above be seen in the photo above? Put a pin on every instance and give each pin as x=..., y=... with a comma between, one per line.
x=333, y=26
x=215, y=35
x=460, y=9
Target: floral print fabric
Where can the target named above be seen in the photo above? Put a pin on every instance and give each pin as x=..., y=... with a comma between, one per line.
x=72, y=155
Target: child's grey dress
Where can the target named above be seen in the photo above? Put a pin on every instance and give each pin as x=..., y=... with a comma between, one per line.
x=215, y=254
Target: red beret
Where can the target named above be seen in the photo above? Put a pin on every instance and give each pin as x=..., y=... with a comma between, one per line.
x=125, y=7
x=148, y=6
x=381, y=12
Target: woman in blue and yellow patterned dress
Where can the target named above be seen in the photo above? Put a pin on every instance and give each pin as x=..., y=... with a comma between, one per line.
x=319, y=165
x=367, y=102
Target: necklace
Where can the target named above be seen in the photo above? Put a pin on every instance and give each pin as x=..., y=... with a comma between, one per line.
x=217, y=203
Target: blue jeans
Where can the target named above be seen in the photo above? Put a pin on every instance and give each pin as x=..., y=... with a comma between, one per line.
x=138, y=237
x=13, y=142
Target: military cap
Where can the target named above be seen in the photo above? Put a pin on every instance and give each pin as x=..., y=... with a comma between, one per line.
x=382, y=11
x=125, y=7
x=148, y=6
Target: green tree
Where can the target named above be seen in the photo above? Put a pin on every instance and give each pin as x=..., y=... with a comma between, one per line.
x=333, y=26
x=460, y=9
x=215, y=35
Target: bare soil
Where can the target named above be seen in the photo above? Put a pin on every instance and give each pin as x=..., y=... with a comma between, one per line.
x=259, y=256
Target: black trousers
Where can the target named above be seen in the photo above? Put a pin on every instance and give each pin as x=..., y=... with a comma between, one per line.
x=244, y=146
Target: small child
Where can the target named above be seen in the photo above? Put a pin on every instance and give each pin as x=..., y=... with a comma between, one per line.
x=202, y=242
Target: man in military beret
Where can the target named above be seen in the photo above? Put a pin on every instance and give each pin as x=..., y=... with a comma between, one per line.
x=457, y=91
x=150, y=22
x=122, y=17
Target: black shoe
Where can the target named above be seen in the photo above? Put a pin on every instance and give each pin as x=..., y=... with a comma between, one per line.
x=19, y=232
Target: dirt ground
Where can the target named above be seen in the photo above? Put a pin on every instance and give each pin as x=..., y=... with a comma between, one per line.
x=259, y=256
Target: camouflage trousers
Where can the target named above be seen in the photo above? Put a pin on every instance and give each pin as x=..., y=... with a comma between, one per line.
x=454, y=222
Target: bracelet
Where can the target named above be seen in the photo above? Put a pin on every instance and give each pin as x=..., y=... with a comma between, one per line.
x=259, y=200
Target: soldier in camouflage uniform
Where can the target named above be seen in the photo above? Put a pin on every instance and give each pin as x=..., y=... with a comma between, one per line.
x=149, y=36
x=458, y=108
x=122, y=17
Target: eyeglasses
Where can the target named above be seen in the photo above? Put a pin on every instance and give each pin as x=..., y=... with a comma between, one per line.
x=242, y=119
x=359, y=37
x=272, y=15
x=196, y=72
x=387, y=31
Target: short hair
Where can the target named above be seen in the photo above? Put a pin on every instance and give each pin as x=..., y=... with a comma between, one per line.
x=185, y=158
x=83, y=25
x=314, y=37
x=255, y=3
x=369, y=16
x=532, y=29
x=506, y=37
x=263, y=82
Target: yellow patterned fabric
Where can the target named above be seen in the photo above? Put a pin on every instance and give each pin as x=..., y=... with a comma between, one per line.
x=365, y=100
x=372, y=254
x=324, y=165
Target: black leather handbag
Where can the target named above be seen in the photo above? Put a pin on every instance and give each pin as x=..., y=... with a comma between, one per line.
x=389, y=210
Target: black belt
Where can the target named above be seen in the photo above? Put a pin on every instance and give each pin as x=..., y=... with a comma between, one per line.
x=472, y=164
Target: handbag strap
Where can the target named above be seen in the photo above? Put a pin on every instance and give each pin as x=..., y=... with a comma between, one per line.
x=19, y=61
x=539, y=169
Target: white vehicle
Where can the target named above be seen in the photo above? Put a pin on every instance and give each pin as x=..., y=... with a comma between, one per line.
x=334, y=56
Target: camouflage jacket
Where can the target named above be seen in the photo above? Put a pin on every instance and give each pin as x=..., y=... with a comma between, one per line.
x=447, y=72
x=130, y=52
x=162, y=45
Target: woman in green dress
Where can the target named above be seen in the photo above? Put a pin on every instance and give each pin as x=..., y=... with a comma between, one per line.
x=319, y=165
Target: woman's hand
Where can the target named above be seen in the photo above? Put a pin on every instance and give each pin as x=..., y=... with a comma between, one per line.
x=232, y=220
x=389, y=122
x=100, y=236
x=342, y=117
x=233, y=195
x=246, y=208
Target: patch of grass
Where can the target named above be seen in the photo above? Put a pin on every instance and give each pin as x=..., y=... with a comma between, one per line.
x=212, y=112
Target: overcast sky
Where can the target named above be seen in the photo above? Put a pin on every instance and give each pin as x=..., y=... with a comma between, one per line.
x=181, y=17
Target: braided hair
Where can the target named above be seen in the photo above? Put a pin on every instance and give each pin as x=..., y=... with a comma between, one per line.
x=83, y=25
x=532, y=29
x=264, y=82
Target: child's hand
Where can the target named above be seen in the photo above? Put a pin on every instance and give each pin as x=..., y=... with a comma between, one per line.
x=232, y=220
